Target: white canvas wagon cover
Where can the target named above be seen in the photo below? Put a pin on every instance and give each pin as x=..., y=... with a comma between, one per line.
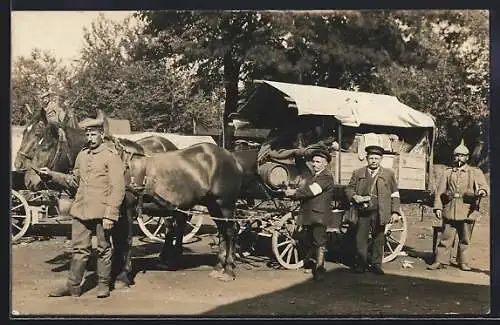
x=350, y=108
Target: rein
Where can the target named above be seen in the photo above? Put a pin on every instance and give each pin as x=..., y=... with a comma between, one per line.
x=62, y=145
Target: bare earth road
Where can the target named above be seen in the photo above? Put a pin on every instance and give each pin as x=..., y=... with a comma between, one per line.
x=261, y=288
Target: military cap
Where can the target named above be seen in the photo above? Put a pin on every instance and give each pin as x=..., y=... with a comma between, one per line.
x=461, y=149
x=374, y=150
x=322, y=153
x=45, y=94
x=91, y=123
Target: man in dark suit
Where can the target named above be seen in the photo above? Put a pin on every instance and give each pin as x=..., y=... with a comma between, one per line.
x=374, y=191
x=315, y=197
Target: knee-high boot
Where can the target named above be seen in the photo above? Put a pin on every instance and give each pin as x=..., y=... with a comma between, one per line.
x=319, y=267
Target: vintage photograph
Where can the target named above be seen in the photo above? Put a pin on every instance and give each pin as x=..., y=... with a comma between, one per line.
x=319, y=163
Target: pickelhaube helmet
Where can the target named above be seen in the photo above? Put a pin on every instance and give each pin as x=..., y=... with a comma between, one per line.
x=461, y=149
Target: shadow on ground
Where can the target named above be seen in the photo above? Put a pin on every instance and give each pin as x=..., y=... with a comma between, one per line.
x=346, y=293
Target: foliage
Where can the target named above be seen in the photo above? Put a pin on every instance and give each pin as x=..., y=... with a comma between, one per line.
x=177, y=68
x=31, y=77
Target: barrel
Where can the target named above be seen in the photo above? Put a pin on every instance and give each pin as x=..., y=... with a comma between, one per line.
x=273, y=174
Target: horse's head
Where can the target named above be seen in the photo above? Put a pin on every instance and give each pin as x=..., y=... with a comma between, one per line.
x=41, y=146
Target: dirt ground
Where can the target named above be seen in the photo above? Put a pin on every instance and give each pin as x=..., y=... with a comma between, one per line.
x=39, y=263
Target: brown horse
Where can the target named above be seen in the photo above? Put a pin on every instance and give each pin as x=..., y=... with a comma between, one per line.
x=202, y=174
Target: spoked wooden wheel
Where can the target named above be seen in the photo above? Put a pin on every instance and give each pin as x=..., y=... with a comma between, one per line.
x=285, y=243
x=395, y=238
x=154, y=227
x=20, y=215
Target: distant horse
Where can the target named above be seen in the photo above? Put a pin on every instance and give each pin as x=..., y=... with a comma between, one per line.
x=176, y=180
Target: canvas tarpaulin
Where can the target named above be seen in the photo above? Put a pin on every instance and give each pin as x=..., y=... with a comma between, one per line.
x=350, y=108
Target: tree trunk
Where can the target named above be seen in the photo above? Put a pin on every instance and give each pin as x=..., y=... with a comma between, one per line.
x=231, y=74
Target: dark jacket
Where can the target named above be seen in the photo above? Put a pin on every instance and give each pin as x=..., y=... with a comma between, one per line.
x=315, y=198
x=387, y=191
x=455, y=182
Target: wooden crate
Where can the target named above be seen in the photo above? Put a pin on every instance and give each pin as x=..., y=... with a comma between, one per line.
x=409, y=169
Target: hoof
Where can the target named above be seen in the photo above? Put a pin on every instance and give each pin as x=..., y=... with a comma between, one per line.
x=215, y=273
x=226, y=277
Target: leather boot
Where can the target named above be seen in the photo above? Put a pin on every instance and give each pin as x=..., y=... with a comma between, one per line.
x=103, y=275
x=319, y=267
x=66, y=291
x=102, y=290
x=75, y=277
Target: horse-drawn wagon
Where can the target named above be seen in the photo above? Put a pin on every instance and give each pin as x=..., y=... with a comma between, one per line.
x=300, y=116
x=51, y=206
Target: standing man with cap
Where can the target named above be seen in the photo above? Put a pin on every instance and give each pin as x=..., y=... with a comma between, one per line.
x=374, y=192
x=99, y=175
x=315, y=197
x=457, y=204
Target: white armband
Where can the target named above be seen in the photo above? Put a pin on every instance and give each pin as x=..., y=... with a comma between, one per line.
x=315, y=188
x=395, y=194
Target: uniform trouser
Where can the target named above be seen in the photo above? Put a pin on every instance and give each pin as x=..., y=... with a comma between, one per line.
x=314, y=236
x=81, y=239
x=451, y=227
x=370, y=221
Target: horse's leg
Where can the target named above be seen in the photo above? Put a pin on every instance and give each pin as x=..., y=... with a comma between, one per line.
x=180, y=226
x=231, y=232
x=221, y=256
x=122, y=235
x=165, y=258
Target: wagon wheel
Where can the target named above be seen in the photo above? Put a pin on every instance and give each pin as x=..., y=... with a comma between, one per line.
x=395, y=238
x=285, y=244
x=20, y=215
x=154, y=227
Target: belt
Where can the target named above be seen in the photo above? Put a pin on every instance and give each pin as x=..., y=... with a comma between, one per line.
x=456, y=195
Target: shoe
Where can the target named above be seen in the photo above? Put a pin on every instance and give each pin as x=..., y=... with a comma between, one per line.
x=377, y=269
x=102, y=290
x=436, y=266
x=66, y=292
x=358, y=269
x=465, y=267
x=121, y=285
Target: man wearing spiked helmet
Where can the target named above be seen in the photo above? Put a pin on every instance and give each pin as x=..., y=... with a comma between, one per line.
x=457, y=205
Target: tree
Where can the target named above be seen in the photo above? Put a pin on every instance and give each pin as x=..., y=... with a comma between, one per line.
x=454, y=88
x=114, y=77
x=31, y=77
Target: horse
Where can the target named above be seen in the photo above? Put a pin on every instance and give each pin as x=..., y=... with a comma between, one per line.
x=203, y=174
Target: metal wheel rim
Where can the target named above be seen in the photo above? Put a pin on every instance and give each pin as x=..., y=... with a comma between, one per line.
x=154, y=227
x=284, y=245
x=395, y=238
x=19, y=203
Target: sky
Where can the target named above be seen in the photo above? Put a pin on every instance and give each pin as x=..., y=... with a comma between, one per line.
x=60, y=32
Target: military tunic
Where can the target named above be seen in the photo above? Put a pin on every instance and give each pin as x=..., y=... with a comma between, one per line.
x=99, y=176
x=458, y=216
x=457, y=181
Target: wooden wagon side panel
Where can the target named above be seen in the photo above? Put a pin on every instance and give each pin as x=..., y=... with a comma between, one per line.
x=409, y=169
x=412, y=171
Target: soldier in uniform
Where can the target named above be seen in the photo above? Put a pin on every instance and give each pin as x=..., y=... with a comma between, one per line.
x=373, y=190
x=99, y=176
x=315, y=197
x=50, y=102
x=456, y=204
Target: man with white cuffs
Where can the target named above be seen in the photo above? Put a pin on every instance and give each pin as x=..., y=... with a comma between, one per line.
x=373, y=190
x=315, y=198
